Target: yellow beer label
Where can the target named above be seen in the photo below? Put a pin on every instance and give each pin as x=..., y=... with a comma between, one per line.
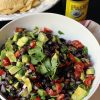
x=76, y=9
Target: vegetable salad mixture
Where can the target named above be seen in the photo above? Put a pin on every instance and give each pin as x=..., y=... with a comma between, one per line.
x=38, y=65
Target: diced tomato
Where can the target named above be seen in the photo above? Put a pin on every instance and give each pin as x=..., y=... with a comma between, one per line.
x=9, y=98
x=72, y=58
x=1, y=72
x=50, y=92
x=77, y=44
x=6, y=61
x=17, y=54
x=38, y=84
x=79, y=66
x=33, y=44
x=77, y=74
x=46, y=30
x=58, y=87
x=59, y=80
x=38, y=98
x=60, y=97
x=88, y=80
x=32, y=67
x=18, y=29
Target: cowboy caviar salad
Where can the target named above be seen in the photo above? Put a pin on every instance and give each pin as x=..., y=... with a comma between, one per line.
x=38, y=65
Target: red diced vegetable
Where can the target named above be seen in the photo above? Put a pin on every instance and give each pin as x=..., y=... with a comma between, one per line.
x=58, y=87
x=6, y=61
x=77, y=44
x=32, y=67
x=38, y=84
x=18, y=29
x=60, y=97
x=33, y=44
x=1, y=72
x=17, y=54
x=46, y=30
x=38, y=98
x=88, y=80
x=9, y=98
x=77, y=74
x=79, y=66
x=68, y=63
x=72, y=58
x=59, y=80
x=50, y=92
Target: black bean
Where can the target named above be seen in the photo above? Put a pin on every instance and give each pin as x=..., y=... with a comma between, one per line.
x=13, y=63
x=62, y=40
x=49, y=35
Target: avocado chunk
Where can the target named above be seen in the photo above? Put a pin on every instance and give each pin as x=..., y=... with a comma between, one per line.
x=16, y=85
x=79, y=94
x=82, y=76
x=14, y=70
x=19, y=64
x=90, y=71
x=27, y=83
x=8, y=45
x=41, y=92
x=77, y=59
x=18, y=76
x=24, y=93
x=15, y=37
x=22, y=41
x=25, y=58
x=42, y=37
x=11, y=56
x=3, y=54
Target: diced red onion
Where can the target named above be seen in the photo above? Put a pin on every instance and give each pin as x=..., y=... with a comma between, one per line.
x=3, y=89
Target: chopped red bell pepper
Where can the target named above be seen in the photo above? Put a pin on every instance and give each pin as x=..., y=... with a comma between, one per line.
x=6, y=61
x=77, y=44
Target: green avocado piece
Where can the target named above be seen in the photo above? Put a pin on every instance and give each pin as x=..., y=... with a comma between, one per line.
x=25, y=58
x=8, y=45
x=90, y=71
x=82, y=76
x=16, y=85
x=79, y=94
x=22, y=41
x=11, y=56
x=15, y=37
x=41, y=92
x=77, y=59
x=42, y=37
x=19, y=64
x=14, y=70
x=18, y=76
x=3, y=54
x=28, y=84
x=24, y=93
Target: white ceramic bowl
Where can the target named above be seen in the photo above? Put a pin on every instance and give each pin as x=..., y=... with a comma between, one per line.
x=72, y=29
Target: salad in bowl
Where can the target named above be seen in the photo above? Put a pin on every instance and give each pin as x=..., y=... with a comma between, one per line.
x=39, y=65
